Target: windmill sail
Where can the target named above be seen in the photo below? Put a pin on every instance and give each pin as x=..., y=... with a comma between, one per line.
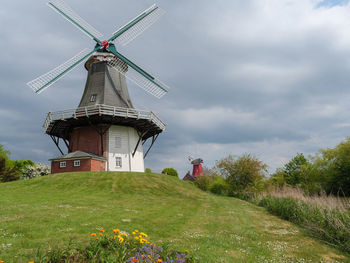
x=140, y=77
x=43, y=82
x=68, y=13
x=135, y=27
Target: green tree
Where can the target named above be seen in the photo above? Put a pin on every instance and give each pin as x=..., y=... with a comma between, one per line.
x=21, y=165
x=277, y=178
x=293, y=169
x=170, y=171
x=4, y=153
x=246, y=172
x=7, y=173
x=336, y=165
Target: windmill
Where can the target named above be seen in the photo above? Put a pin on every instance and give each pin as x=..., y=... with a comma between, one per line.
x=105, y=132
x=197, y=167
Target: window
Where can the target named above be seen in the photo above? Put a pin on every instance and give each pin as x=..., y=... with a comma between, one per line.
x=118, y=142
x=77, y=163
x=93, y=97
x=63, y=164
x=118, y=161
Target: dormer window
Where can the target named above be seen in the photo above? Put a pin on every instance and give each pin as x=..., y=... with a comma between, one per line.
x=93, y=97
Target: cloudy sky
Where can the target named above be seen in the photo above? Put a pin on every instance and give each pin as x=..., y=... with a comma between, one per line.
x=268, y=77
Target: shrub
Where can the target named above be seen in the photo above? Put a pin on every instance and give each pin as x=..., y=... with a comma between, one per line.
x=241, y=172
x=328, y=220
x=170, y=171
x=219, y=186
x=8, y=174
x=36, y=170
x=21, y=165
x=203, y=182
x=148, y=171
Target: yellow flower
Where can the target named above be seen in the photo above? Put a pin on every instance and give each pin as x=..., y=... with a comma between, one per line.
x=134, y=233
x=136, y=230
x=116, y=231
x=126, y=235
x=92, y=234
x=186, y=251
x=137, y=238
x=143, y=234
x=121, y=240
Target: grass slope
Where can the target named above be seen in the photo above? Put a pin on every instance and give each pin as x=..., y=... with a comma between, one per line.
x=51, y=210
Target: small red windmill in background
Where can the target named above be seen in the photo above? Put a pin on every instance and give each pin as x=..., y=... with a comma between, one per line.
x=197, y=167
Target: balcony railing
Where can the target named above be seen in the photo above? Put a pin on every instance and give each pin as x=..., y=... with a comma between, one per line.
x=103, y=110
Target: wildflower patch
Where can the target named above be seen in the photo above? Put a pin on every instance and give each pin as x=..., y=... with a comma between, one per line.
x=117, y=246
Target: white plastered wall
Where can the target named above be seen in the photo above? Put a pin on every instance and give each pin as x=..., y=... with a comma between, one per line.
x=128, y=140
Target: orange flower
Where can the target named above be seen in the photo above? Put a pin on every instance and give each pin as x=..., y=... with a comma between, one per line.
x=116, y=231
x=161, y=243
x=102, y=230
x=28, y=262
x=186, y=251
x=92, y=234
x=135, y=260
x=159, y=260
x=101, y=234
x=1, y=261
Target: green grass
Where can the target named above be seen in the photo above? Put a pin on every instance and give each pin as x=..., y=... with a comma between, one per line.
x=50, y=211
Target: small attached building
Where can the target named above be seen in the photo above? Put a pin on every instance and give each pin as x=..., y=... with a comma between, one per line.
x=78, y=161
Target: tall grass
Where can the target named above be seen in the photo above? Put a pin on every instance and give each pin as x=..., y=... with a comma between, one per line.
x=325, y=217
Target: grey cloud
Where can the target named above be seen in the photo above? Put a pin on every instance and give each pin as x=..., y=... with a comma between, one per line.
x=284, y=68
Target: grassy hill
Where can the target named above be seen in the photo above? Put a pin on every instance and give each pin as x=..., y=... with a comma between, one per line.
x=52, y=210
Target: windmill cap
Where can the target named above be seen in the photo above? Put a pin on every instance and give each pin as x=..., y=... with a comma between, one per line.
x=98, y=57
x=197, y=161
